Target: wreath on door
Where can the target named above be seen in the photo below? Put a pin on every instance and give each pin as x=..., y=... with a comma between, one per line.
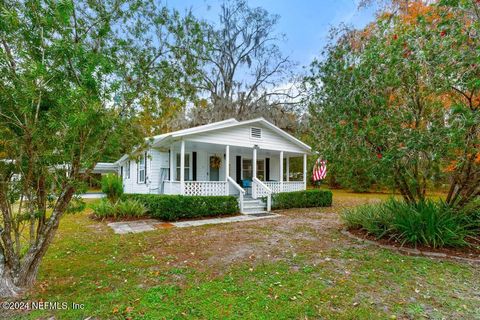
x=215, y=162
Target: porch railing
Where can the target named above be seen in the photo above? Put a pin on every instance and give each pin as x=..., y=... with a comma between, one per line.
x=220, y=188
x=285, y=186
x=171, y=187
x=240, y=190
x=259, y=190
x=197, y=188
x=206, y=188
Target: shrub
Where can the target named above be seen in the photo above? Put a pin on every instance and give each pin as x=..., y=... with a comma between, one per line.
x=130, y=208
x=175, y=207
x=103, y=209
x=120, y=209
x=430, y=223
x=112, y=186
x=302, y=199
x=373, y=218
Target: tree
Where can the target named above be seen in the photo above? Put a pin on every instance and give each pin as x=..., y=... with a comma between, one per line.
x=244, y=67
x=73, y=76
x=399, y=100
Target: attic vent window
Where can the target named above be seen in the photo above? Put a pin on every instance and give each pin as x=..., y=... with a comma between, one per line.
x=256, y=133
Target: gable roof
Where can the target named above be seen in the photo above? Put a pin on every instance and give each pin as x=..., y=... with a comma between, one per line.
x=225, y=124
x=235, y=123
x=202, y=128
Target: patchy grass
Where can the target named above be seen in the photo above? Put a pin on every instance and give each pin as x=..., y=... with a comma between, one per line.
x=295, y=266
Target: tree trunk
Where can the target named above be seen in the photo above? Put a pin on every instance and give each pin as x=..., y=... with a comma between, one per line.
x=14, y=283
x=7, y=286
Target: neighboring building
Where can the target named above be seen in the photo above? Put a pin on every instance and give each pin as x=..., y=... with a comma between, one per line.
x=217, y=159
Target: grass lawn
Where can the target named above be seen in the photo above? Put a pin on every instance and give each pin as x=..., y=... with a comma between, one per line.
x=295, y=266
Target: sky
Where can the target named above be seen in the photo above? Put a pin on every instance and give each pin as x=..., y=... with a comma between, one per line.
x=306, y=23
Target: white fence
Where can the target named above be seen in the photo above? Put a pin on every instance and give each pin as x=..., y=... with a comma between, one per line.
x=205, y=188
x=260, y=190
x=221, y=188
x=285, y=186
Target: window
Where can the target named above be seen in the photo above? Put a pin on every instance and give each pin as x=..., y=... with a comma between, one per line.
x=142, y=164
x=261, y=170
x=187, y=166
x=247, y=169
x=121, y=172
x=127, y=170
x=256, y=133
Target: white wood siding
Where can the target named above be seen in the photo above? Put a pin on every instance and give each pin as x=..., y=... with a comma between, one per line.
x=155, y=161
x=240, y=136
x=203, y=164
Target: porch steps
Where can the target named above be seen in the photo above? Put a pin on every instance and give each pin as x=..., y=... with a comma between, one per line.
x=253, y=206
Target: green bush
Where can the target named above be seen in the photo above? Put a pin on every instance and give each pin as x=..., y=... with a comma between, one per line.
x=430, y=223
x=302, y=199
x=373, y=218
x=130, y=208
x=103, y=209
x=112, y=186
x=120, y=209
x=176, y=207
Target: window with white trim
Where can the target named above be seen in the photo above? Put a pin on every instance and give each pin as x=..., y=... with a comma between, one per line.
x=186, y=168
x=127, y=170
x=141, y=172
x=261, y=169
x=247, y=170
x=255, y=133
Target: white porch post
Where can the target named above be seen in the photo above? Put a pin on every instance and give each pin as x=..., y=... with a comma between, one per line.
x=305, y=171
x=254, y=172
x=254, y=163
x=281, y=171
x=288, y=168
x=182, y=167
x=227, y=167
x=172, y=168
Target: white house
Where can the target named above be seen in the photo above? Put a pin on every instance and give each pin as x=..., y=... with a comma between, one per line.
x=217, y=159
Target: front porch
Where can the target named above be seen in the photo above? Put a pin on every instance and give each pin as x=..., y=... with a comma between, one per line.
x=191, y=172
x=220, y=188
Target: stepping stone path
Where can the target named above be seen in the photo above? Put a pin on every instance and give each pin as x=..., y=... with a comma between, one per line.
x=138, y=226
x=133, y=226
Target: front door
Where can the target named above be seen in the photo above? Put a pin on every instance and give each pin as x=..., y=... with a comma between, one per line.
x=214, y=173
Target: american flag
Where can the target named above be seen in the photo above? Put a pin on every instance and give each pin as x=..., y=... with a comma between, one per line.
x=319, y=170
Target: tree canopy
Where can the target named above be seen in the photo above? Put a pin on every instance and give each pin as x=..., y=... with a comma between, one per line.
x=73, y=77
x=243, y=68
x=397, y=103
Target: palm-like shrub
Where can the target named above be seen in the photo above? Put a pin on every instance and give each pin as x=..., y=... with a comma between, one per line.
x=120, y=209
x=103, y=209
x=130, y=208
x=112, y=186
x=430, y=223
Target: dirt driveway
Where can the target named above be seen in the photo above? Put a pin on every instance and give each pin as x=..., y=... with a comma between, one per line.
x=297, y=232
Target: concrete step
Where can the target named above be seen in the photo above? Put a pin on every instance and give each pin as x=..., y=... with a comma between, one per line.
x=254, y=211
x=251, y=208
x=253, y=202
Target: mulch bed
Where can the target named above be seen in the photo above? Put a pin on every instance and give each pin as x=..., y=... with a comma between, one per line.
x=468, y=253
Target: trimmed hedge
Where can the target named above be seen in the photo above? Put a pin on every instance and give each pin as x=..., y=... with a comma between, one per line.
x=302, y=199
x=176, y=207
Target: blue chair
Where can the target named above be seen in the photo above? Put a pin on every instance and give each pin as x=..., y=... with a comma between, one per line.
x=247, y=184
